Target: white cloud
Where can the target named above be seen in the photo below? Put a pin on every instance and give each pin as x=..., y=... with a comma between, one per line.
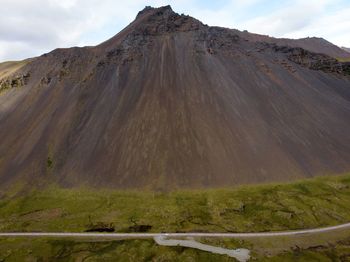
x=290, y=19
x=32, y=27
x=335, y=27
x=41, y=25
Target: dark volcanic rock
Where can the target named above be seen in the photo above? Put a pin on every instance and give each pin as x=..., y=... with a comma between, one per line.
x=313, y=61
x=139, y=228
x=169, y=102
x=312, y=44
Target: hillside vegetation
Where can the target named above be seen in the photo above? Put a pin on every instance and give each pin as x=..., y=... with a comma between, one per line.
x=305, y=204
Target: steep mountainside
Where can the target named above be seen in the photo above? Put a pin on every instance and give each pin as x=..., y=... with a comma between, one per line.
x=169, y=102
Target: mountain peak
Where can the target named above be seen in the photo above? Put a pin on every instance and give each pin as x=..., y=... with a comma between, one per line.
x=155, y=21
x=149, y=9
x=164, y=20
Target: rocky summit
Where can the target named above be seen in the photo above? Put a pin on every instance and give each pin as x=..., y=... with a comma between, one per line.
x=172, y=103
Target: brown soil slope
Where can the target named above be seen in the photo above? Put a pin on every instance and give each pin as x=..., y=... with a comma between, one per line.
x=170, y=102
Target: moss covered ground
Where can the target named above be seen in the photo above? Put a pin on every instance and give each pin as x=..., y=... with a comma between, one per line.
x=306, y=204
x=19, y=249
x=310, y=203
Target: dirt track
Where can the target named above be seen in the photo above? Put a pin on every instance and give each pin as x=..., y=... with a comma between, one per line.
x=152, y=235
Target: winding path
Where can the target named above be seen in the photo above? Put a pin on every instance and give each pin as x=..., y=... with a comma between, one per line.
x=241, y=255
x=175, y=235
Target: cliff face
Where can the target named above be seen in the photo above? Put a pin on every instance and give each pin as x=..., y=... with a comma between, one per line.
x=170, y=102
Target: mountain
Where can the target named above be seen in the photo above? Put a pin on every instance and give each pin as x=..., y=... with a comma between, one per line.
x=346, y=49
x=313, y=44
x=172, y=103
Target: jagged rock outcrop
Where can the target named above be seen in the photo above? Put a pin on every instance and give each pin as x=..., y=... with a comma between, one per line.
x=169, y=102
x=312, y=44
x=314, y=61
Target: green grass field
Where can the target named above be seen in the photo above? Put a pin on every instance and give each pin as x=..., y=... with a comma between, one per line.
x=310, y=203
x=16, y=250
x=122, y=250
x=306, y=204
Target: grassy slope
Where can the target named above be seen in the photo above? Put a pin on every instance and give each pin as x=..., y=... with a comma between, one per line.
x=341, y=59
x=7, y=68
x=305, y=204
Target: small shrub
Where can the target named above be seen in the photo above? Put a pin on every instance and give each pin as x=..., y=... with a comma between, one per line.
x=49, y=162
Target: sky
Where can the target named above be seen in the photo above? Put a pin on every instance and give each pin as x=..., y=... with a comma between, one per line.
x=30, y=28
